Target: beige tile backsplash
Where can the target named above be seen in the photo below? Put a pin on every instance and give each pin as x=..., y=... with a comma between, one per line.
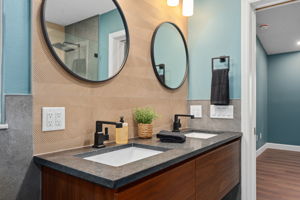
x=135, y=86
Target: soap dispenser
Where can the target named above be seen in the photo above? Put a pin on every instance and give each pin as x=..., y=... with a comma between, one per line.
x=122, y=133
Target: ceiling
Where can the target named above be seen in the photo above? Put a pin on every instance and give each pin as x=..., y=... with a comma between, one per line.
x=66, y=12
x=284, y=28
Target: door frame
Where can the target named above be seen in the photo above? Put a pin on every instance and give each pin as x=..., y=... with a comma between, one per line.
x=113, y=39
x=248, y=95
x=248, y=79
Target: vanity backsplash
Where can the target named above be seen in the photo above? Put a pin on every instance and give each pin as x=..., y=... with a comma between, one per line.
x=85, y=103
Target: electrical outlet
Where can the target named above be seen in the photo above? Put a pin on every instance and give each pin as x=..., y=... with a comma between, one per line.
x=196, y=110
x=58, y=119
x=49, y=119
x=53, y=118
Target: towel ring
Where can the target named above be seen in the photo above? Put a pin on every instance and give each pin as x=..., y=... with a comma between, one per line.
x=222, y=59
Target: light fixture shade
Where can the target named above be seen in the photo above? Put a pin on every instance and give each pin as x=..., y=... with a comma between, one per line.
x=188, y=8
x=173, y=2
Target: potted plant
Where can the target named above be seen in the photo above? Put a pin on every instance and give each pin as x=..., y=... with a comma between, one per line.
x=144, y=118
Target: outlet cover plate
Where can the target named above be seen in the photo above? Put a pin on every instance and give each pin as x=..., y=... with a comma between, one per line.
x=196, y=110
x=53, y=118
x=222, y=112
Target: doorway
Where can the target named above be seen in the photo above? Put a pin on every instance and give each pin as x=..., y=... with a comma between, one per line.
x=278, y=100
x=117, y=46
x=266, y=101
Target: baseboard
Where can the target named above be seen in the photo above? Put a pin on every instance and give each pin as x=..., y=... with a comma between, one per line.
x=261, y=149
x=285, y=147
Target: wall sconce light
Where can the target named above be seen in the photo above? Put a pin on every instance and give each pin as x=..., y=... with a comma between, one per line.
x=173, y=3
x=188, y=8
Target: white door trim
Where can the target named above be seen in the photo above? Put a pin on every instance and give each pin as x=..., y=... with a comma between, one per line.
x=248, y=179
x=265, y=3
x=113, y=37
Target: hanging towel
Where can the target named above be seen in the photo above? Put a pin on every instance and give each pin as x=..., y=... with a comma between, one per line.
x=220, y=87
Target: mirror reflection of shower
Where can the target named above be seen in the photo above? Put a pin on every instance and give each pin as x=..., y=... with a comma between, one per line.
x=66, y=46
x=90, y=41
x=74, y=56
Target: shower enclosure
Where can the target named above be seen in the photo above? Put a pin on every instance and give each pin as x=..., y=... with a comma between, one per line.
x=76, y=47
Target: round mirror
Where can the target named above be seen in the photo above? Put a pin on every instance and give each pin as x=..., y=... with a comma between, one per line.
x=169, y=55
x=89, y=38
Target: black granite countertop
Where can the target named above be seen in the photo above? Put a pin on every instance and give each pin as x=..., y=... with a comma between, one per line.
x=115, y=177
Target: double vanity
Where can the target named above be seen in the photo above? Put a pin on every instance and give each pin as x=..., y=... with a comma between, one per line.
x=205, y=167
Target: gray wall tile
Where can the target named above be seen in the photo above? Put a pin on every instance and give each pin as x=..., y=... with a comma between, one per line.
x=208, y=123
x=20, y=178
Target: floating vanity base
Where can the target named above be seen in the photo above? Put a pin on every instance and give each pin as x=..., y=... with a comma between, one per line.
x=207, y=176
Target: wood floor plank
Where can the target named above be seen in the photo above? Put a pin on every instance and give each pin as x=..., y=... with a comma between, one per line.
x=278, y=175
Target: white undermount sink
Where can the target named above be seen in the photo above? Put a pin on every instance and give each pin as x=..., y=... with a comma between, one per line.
x=198, y=135
x=123, y=156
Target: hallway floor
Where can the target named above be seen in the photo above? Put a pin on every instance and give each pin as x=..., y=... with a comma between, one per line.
x=278, y=175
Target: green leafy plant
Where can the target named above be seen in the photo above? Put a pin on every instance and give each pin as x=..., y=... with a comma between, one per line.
x=144, y=115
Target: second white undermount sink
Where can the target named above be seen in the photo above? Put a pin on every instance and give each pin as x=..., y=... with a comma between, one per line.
x=198, y=135
x=123, y=156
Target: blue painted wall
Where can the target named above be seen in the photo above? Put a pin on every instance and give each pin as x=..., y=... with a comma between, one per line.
x=108, y=23
x=214, y=30
x=169, y=49
x=284, y=98
x=262, y=95
x=17, y=47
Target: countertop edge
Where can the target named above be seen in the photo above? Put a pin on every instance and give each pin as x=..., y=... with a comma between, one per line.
x=116, y=184
x=74, y=172
x=147, y=172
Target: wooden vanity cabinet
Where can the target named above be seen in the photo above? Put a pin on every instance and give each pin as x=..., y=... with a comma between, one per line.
x=218, y=172
x=207, y=177
x=175, y=184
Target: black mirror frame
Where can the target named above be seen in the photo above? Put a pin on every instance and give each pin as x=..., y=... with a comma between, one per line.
x=153, y=59
x=54, y=54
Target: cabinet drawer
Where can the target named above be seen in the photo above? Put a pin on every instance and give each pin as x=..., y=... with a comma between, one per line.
x=217, y=172
x=59, y=186
x=175, y=184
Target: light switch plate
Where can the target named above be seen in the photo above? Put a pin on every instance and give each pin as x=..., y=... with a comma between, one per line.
x=53, y=118
x=221, y=112
x=196, y=110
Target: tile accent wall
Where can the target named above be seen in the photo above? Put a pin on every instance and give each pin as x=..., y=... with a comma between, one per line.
x=208, y=123
x=135, y=86
x=20, y=178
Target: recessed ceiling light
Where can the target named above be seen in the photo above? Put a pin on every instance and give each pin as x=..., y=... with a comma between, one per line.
x=298, y=43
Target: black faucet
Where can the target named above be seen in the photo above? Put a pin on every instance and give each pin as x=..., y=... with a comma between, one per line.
x=100, y=137
x=177, y=124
